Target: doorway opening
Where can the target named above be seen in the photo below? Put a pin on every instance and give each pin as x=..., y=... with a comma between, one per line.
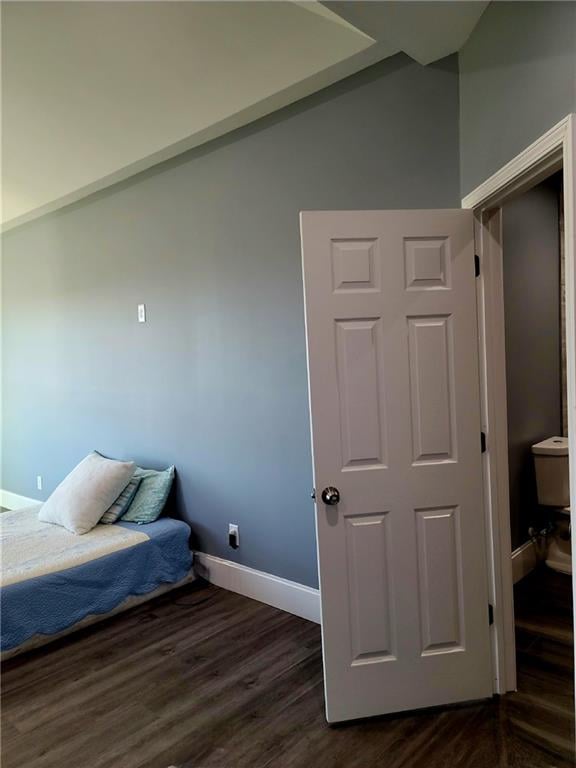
x=533, y=273
x=524, y=218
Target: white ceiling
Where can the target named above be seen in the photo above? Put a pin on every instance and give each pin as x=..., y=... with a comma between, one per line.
x=93, y=92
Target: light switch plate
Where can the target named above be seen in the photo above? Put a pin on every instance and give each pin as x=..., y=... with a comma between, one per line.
x=141, y=313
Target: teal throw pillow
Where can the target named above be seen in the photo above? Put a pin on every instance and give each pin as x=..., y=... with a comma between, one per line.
x=151, y=495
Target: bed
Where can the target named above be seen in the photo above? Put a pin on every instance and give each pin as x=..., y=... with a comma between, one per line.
x=54, y=582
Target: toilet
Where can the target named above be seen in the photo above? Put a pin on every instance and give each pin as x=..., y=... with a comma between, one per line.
x=553, y=487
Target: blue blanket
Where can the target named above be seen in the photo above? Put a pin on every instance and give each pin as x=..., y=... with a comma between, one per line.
x=51, y=603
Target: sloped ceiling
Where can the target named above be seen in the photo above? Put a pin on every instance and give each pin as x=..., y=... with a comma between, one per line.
x=426, y=31
x=93, y=92
x=93, y=89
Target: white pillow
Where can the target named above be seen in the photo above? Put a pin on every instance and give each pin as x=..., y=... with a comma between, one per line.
x=86, y=493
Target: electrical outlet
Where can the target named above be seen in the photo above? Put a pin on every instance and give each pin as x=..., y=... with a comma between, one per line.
x=233, y=536
x=39, y=482
x=141, y=313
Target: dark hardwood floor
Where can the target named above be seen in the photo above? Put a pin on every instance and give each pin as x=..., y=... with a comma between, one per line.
x=204, y=678
x=543, y=707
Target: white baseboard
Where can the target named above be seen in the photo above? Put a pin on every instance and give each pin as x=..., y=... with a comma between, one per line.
x=10, y=500
x=525, y=559
x=287, y=595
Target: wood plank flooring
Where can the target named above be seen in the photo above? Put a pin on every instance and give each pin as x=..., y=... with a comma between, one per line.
x=204, y=678
x=542, y=710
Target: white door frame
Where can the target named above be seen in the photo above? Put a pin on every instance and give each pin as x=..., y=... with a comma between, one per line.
x=554, y=150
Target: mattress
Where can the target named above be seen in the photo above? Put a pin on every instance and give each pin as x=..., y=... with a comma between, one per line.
x=51, y=579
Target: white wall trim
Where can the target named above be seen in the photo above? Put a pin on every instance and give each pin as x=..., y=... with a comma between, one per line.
x=555, y=149
x=536, y=160
x=524, y=559
x=490, y=305
x=287, y=595
x=10, y=500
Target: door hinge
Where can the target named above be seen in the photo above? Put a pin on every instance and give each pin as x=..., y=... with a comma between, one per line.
x=483, y=442
x=476, y=265
x=490, y=614
x=313, y=494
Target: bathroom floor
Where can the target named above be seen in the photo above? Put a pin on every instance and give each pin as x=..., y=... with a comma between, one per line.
x=543, y=707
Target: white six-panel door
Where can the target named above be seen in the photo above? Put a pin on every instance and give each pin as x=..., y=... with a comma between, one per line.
x=394, y=396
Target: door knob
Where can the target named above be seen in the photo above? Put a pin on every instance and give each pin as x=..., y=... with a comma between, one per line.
x=330, y=496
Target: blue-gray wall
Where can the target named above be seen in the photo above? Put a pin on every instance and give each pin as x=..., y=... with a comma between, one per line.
x=215, y=381
x=517, y=80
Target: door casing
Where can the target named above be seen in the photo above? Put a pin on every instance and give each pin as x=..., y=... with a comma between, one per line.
x=555, y=150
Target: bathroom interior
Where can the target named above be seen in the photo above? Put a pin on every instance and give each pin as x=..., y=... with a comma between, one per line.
x=534, y=311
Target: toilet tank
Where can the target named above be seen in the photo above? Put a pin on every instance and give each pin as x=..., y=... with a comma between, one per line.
x=552, y=478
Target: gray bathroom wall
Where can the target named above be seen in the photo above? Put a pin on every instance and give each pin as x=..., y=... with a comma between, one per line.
x=517, y=80
x=215, y=381
x=533, y=361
